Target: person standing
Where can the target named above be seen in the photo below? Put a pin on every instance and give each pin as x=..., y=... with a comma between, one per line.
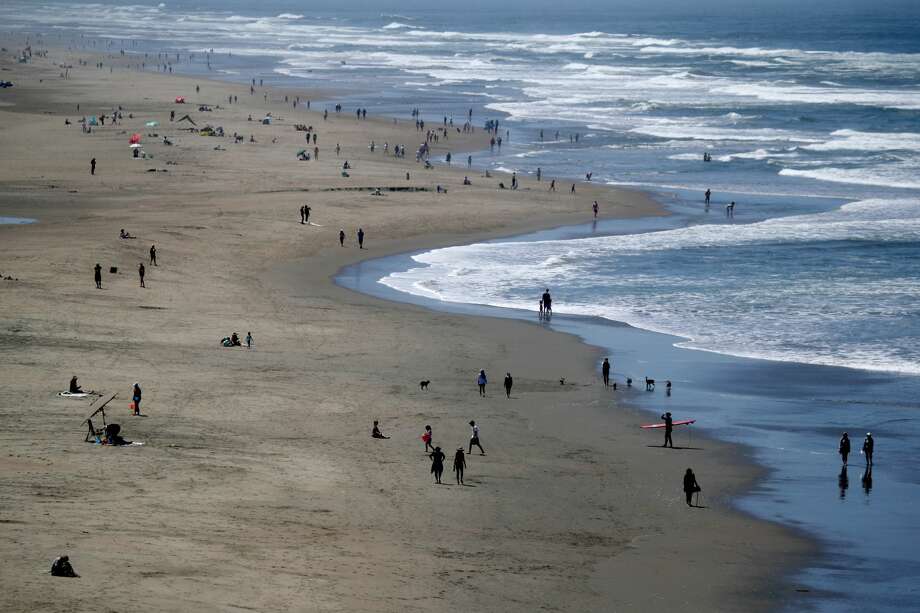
x=136, y=398
x=360, y=238
x=481, y=380
x=868, y=448
x=844, y=447
x=708, y=194
x=474, y=438
x=428, y=437
x=595, y=207
x=306, y=213
x=342, y=237
x=459, y=465
x=690, y=486
x=668, y=429
x=97, y=275
x=92, y=166
x=437, y=464
x=508, y=383
x=153, y=255
x=302, y=216
x=547, y=303
x=249, y=340
x=140, y=271
x=605, y=371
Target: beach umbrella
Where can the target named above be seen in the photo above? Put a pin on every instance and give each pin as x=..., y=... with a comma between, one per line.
x=152, y=124
x=135, y=138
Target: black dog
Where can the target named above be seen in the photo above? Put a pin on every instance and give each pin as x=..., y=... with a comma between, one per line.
x=649, y=385
x=423, y=385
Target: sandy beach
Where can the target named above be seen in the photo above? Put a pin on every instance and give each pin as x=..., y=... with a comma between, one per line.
x=258, y=486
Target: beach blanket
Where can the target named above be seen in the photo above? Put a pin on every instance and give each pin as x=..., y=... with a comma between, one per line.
x=74, y=394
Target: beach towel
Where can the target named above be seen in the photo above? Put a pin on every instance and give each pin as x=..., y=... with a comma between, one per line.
x=73, y=394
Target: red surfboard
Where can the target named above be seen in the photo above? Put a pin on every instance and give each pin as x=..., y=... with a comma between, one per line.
x=684, y=422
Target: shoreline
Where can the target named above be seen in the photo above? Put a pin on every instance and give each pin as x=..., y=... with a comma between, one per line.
x=224, y=474
x=730, y=452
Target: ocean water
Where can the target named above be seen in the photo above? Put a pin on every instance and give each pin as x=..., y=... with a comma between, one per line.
x=805, y=301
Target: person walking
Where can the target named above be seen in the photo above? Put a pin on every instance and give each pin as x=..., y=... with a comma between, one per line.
x=474, y=438
x=92, y=166
x=153, y=255
x=868, y=448
x=437, y=464
x=428, y=437
x=668, y=429
x=690, y=486
x=508, y=383
x=342, y=237
x=481, y=380
x=136, y=398
x=360, y=238
x=97, y=275
x=844, y=447
x=605, y=371
x=140, y=272
x=459, y=465
x=249, y=340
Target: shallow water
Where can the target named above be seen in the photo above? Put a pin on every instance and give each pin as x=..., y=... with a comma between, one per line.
x=16, y=220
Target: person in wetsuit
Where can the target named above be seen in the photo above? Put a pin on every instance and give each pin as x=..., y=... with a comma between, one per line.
x=74, y=388
x=668, y=429
x=605, y=371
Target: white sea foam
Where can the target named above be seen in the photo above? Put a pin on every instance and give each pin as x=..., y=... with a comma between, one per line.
x=855, y=140
x=904, y=175
x=774, y=317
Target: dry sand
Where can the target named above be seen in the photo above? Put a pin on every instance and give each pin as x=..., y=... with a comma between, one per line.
x=258, y=486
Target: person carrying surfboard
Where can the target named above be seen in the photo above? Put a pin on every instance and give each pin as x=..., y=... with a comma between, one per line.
x=668, y=429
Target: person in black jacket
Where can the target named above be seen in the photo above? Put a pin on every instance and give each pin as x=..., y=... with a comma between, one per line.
x=844, y=448
x=690, y=486
x=509, y=382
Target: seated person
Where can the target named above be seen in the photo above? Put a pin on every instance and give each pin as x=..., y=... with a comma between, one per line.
x=375, y=433
x=346, y=165
x=113, y=437
x=235, y=340
x=61, y=568
x=501, y=185
x=466, y=181
x=74, y=388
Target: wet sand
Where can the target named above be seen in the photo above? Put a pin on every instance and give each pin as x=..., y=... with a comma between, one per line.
x=258, y=486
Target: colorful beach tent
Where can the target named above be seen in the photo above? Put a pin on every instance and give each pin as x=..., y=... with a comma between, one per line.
x=135, y=138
